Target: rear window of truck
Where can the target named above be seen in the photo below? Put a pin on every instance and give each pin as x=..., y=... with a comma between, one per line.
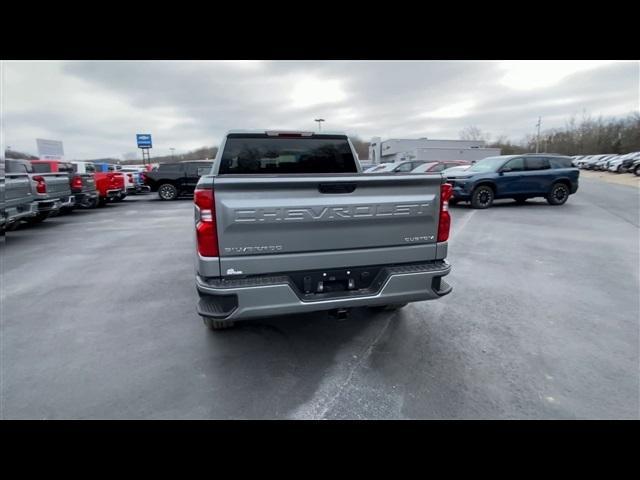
x=41, y=167
x=260, y=153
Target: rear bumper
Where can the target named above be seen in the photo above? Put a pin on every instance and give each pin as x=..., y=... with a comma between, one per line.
x=114, y=193
x=45, y=206
x=66, y=202
x=263, y=296
x=14, y=214
x=85, y=198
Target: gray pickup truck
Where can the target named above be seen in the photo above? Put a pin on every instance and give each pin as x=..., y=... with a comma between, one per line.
x=51, y=191
x=287, y=223
x=16, y=198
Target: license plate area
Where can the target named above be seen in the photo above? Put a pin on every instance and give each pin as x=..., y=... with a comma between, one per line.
x=337, y=282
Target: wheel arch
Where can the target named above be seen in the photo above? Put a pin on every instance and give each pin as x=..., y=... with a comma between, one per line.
x=487, y=183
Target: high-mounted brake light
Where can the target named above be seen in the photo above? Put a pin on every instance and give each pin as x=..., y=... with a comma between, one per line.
x=444, y=224
x=206, y=233
x=41, y=187
x=289, y=134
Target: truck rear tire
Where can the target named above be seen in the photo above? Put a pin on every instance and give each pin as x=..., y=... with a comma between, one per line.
x=482, y=197
x=166, y=191
x=38, y=218
x=559, y=194
x=213, y=324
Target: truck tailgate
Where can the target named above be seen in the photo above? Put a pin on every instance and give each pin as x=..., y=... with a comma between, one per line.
x=283, y=223
x=17, y=189
x=57, y=184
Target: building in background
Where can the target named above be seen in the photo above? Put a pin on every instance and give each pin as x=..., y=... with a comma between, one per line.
x=397, y=150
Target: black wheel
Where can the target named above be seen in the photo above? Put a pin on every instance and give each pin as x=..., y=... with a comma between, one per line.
x=10, y=227
x=93, y=203
x=101, y=202
x=520, y=200
x=453, y=201
x=40, y=217
x=390, y=307
x=482, y=197
x=636, y=171
x=66, y=210
x=213, y=324
x=558, y=195
x=167, y=192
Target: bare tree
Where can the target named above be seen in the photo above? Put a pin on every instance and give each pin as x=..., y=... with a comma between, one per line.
x=474, y=133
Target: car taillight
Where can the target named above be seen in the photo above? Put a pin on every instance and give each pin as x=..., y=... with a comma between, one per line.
x=444, y=223
x=41, y=187
x=76, y=182
x=206, y=234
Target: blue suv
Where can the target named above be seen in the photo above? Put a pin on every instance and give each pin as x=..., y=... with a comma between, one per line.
x=515, y=176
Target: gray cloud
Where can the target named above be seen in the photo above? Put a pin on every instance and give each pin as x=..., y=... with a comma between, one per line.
x=96, y=108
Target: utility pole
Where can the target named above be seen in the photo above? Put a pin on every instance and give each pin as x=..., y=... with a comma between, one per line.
x=538, y=136
x=319, y=120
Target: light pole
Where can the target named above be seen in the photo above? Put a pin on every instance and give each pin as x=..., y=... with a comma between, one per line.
x=172, y=149
x=538, y=136
x=319, y=120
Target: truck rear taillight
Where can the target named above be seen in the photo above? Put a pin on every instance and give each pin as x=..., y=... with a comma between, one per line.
x=41, y=186
x=76, y=182
x=206, y=234
x=444, y=224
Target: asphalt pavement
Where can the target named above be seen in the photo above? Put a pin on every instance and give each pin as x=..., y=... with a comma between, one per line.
x=99, y=322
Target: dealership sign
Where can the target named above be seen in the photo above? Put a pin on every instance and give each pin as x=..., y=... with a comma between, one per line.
x=143, y=140
x=50, y=149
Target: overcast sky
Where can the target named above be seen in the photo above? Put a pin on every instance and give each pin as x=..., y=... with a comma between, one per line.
x=97, y=107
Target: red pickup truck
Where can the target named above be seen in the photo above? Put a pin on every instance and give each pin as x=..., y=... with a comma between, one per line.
x=110, y=185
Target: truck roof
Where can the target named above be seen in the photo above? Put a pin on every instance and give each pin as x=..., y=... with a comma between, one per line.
x=285, y=131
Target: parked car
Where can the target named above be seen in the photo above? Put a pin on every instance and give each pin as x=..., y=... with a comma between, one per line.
x=327, y=238
x=434, y=167
x=136, y=174
x=627, y=163
x=615, y=164
x=109, y=184
x=516, y=176
x=405, y=166
x=590, y=162
x=16, y=198
x=51, y=191
x=171, y=180
x=454, y=170
x=82, y=185
x=603, y=163
x=576, y=159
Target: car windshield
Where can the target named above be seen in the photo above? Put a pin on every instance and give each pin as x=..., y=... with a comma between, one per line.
x=489, y=164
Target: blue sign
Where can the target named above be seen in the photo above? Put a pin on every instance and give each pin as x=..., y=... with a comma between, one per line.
x=144, y=140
